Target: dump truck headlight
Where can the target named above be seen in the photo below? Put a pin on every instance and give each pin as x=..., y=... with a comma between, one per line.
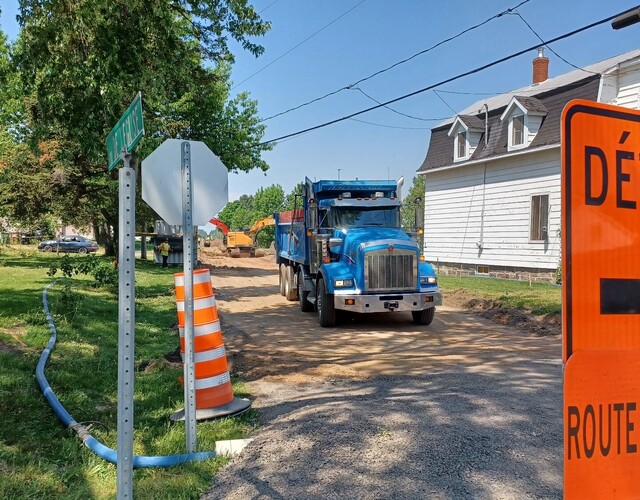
x=344, y=283
x=428, y=280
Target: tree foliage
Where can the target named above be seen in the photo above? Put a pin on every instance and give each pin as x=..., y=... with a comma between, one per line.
x=80, y=64
x=412, y=210
x=293, y=200
x=242, y=213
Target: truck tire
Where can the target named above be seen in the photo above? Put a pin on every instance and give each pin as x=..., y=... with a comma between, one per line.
x=290, y=290
x=305, y=305
x=325, y=306
x=281, y=278
x=424, y=317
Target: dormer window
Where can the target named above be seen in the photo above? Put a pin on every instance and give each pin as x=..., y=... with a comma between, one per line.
x=517, y=130
x=466, y=132
x=461, y=145
x=524, y=115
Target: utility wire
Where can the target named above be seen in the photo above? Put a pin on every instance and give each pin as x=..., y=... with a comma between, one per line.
x=272, y=3
x=468, y=93
x=298, y=45
x=516, y=13
x=388, y=126
x=445, y=102
x=354, y=84
x=398, y=112
x=448, y=80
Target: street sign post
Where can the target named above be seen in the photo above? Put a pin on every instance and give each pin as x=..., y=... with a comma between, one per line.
x=127, y=132
x=601, y=300
x=204, y=181
x=120, y=142
x=126, y=326
x=187, y=242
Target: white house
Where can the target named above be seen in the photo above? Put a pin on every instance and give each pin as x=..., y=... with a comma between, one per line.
x=492, y=198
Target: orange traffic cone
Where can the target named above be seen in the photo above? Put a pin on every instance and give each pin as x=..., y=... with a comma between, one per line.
x=214, y=394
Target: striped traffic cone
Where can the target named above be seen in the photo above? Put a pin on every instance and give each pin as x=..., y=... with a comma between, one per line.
x=214, y=394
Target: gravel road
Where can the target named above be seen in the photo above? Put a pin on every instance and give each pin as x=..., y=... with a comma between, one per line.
x=382, y=408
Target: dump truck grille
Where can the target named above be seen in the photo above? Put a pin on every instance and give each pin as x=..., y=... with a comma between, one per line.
x=384, y=270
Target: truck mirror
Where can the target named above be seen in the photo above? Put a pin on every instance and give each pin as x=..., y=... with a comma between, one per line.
x=335, y=244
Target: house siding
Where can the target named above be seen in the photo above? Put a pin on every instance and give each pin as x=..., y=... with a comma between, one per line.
x=629, y=88
x=454, y=204
x=533, y=126
x=478, y=214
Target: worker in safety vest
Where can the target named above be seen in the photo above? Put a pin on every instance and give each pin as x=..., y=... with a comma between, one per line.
x=164, y=248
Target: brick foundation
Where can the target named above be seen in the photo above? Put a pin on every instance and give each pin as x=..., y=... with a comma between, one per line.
x=504, y=272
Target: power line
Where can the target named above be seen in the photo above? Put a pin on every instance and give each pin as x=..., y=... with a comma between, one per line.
x=468, y=93
x=396, y=111
x=424, y=51
x=448, y=80
x=389, y=126
x=298, y=45
x=516, y=13
x=272, y=3
x=445, y=102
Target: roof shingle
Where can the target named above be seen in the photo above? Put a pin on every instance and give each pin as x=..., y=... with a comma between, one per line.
x=553, y=101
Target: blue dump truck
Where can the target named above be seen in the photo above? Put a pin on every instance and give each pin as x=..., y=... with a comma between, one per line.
x=344, y=250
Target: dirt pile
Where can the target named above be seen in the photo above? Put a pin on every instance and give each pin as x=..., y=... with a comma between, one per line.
x=542, y=325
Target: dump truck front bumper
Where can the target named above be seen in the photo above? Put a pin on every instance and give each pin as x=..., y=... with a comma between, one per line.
x=387, y=302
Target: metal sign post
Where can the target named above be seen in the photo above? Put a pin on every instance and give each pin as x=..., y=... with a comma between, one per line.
x=120, y=141
x=187, y=228
x=126, y=325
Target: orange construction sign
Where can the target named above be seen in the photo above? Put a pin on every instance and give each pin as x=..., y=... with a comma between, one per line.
x=602, y=425
x=601, y=300
x=600, y=227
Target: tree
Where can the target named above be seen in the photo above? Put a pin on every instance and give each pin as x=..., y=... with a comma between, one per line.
x=294, y=199
x=237, y=214
x=241, y=214
x=80, y=65
x=267, y=201
x=413, y=208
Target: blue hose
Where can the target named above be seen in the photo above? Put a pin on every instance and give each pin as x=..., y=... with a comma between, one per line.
x=108, y=454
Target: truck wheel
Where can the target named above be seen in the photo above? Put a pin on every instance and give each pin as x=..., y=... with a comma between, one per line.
x=281, y=278
x=305, y=305
x=424, y=317
x=290, y=290
x=325, y=306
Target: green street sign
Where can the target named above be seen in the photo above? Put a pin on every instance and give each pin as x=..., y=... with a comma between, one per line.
x=127, y=132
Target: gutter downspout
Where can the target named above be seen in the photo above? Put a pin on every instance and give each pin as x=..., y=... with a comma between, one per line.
x=486, y=123
x=484, y=190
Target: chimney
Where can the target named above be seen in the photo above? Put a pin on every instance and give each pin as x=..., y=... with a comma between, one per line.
x=540, y=67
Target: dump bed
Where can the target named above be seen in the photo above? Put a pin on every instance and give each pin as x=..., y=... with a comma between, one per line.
x=291, y=239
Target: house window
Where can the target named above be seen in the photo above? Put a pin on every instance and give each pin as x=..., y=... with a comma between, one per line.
x=462, y=145
x=517, y=130
x=539, y=217
x=482, y=269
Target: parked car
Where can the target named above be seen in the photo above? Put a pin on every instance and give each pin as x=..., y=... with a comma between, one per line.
x=69, y=243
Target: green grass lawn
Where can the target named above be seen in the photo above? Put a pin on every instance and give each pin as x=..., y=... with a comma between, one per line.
x=41, y=459
x=537, y=298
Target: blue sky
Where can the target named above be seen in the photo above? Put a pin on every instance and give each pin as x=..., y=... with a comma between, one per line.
x=342, y=41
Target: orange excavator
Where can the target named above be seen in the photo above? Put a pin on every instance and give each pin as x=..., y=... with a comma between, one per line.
x=242, y=243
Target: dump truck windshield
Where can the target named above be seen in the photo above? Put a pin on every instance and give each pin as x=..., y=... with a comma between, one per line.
x=345, y=218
